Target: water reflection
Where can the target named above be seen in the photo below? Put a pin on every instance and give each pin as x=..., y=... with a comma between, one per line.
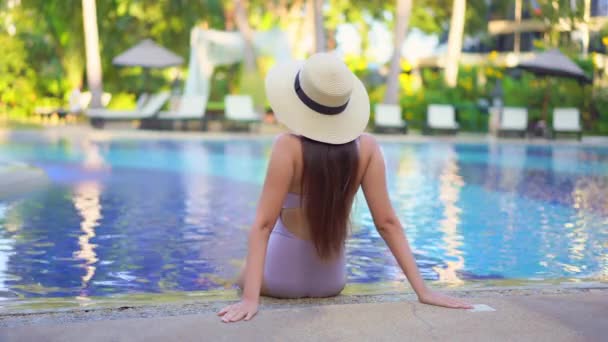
x=575, y=227
x=450, y=184
x=196, y=188
x=509, y=181
x=6, y=248
x=93, y=160
x=45, y=230
x=87, y=201
x=408, y=183
x=589, y=194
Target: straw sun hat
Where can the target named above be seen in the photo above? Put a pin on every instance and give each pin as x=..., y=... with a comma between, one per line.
x=319, y=98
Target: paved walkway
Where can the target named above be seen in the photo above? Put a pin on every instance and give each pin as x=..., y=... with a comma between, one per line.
x=566, y=317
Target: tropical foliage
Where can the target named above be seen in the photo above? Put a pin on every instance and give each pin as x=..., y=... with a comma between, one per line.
x=43, y=51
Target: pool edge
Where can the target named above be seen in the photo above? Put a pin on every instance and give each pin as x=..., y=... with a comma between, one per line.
x=196, y=302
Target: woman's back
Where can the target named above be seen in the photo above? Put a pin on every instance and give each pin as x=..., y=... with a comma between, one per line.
x=293, y=216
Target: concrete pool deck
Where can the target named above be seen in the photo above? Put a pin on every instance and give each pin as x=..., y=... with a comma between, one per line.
x=573, y=315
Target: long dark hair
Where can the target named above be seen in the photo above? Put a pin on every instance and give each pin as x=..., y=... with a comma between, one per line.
x=328, y=187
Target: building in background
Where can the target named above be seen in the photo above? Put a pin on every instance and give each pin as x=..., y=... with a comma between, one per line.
x=517, y=29
x=522, y=23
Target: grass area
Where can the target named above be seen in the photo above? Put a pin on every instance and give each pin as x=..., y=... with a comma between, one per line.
x=215, y=105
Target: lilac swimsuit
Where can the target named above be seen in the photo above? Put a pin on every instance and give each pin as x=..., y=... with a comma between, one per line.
x=293, y=268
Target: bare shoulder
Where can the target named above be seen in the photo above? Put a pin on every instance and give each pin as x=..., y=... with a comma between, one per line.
x=367, y=148
x=287, y=138
x=287, y=144
x=368, y=139
x=368, y=145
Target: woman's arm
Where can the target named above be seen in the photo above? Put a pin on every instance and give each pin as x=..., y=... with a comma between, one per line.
x=276, y=186
x=389, y=227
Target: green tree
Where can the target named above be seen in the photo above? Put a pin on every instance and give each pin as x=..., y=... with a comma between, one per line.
x=52, y=34
x=433, y=16
x=16, y=78
x=123, y=23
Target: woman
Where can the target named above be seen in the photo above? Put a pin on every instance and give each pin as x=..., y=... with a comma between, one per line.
x=296, y=244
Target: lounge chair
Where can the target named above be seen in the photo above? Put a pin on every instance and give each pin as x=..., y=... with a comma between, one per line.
x=239, y=110
x=85, y=100
x=441, y=118
x=80, y=101
x=150, y=108
x=190, y=108
x=513, y=120
x=388, y=117
x=566, y=120
x=77, y=103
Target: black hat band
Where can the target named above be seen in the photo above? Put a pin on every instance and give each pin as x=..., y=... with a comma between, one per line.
x=314, y=105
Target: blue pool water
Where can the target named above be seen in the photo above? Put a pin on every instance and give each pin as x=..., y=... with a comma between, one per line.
x=156, y=216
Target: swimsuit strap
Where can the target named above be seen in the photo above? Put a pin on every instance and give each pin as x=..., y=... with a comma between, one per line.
x=292, y=201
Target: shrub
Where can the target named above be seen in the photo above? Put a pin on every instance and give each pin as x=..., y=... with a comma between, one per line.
x=17, y=94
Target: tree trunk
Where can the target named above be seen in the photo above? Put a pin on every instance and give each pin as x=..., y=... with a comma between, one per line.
x=91, y=40
x=331, y=39
x=455, y=42
x=251, y=82
x=242, y=22
x=404, y=9
x=546, y=100
x=295, y=26
x=318, y=20
x=517, y=34
x=308, y=32
x=229, y=16
x=585, y=28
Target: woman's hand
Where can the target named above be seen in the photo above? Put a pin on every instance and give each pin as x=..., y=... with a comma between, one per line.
x=245, y=309
x=434, y=298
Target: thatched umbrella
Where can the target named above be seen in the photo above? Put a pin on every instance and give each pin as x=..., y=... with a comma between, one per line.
x=556, y=64
x=147, y=54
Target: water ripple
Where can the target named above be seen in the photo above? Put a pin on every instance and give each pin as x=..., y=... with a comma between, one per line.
x=127, y=217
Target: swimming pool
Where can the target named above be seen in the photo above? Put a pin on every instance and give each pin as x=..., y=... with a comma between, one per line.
x=141, y=216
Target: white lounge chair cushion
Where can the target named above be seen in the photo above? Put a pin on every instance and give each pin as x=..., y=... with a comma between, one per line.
x=151, y=107
x=240, y=108
x=81, y=102
x=116, y=114
x=189, y=107
x=105, y=99
x=141, y=100
x=566, y=120
x=388, y=115
x=441, y=117
x=155, y=103
x=514, y=119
